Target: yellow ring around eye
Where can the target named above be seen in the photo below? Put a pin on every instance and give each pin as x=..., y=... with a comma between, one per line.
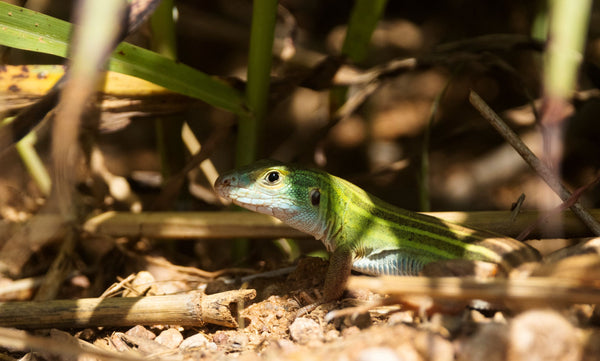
x=276, y=184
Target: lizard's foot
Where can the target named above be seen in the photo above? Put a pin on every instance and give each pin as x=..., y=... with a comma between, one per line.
x=308, y=308
x=312, y=303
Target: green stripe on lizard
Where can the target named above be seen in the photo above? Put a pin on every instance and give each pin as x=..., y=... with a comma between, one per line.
x=361, y=231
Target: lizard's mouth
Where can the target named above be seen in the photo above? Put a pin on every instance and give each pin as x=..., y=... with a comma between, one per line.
x=225, y=186
x=222, y=189
x=255, y=207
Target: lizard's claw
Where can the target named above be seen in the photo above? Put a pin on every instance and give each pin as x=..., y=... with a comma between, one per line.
x=308, y=308
x=312, y=303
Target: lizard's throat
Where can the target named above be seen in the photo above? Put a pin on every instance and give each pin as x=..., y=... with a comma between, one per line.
x=315, y=227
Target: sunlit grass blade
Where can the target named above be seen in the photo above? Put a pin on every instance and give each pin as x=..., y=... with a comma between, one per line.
x=568, y=31
x=29, y=30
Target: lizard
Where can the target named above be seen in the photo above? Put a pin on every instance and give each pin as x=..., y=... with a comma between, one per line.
x=360, y=231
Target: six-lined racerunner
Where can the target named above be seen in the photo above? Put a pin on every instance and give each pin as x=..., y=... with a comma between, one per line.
x=361, y=231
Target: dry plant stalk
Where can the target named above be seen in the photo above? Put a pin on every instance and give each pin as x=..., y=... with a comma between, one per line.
x=538, y=166
x=188, y=225
x=190, y=309
x=59, y=343
x=519, y=293
x=198, y=225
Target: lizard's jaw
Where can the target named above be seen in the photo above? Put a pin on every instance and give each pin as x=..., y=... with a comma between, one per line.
x=255, y=207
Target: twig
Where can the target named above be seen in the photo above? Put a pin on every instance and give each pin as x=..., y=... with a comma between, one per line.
x=528, y=291
x=24, y=285
x=515, y=208
x=203, y=225
x=21, y=340
x=563, y=206
x=115, y=288
x=344, y=111
x=60, y=268
x=31, y=235
x=118, y=186
x=268, y=274
x=189, y=309
x=193, y=270
x=173, y=185
x=189, y=225
x=540, y=168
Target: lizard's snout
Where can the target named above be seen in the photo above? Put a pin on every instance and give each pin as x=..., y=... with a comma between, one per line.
x=225, y=181
x=221, y=184
x=224, y=184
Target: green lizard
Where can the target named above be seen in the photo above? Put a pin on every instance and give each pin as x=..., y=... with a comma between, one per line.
x=362, y=232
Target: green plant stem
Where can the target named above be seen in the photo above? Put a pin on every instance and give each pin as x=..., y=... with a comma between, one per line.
x=163, y=30
x=424, y=197
x=33, y=163
x=262, y=33
x=363, y=20
x=568, y=30
x=264, y=14
x=167, y=130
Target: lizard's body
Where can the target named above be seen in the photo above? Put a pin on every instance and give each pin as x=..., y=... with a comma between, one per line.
x=361, y=231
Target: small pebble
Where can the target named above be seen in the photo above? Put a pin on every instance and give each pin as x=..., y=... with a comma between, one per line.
x=490, y=343
x=401, y=317
x=377, y=354
x=141, y=331
x=303, y=330
x=352, y=330
x=116, y=340
x=287, y=346
x=331, y=335
x=195, y=341
x=142, y=284
x=360, y=320
x=543, y=335
x=427, y=346
x=170, y=338
x=230, y=341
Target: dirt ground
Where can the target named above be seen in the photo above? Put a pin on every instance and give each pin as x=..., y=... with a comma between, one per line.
x=415, y=142
x=269, y=326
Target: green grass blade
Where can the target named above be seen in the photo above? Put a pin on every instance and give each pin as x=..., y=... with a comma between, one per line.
x=132, y=60
x=250, y=127
x=167, y=129
x=264, y=15
x=363, y=20
x=568, y=31
x=29, y=30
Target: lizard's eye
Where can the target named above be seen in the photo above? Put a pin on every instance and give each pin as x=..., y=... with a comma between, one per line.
x=315, y=197
x=272, y=177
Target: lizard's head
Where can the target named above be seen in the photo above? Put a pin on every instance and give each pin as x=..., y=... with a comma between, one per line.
x=292, y=194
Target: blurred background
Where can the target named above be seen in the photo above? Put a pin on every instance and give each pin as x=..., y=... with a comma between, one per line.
x=413, y=140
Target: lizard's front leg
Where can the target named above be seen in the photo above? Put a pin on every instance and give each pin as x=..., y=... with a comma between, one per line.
x=340, y=265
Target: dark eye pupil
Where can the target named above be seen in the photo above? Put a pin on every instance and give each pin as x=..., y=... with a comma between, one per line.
x=273, y=177
x=315, y=197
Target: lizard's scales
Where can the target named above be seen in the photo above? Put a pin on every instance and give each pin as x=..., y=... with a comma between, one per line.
x=360, y=229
